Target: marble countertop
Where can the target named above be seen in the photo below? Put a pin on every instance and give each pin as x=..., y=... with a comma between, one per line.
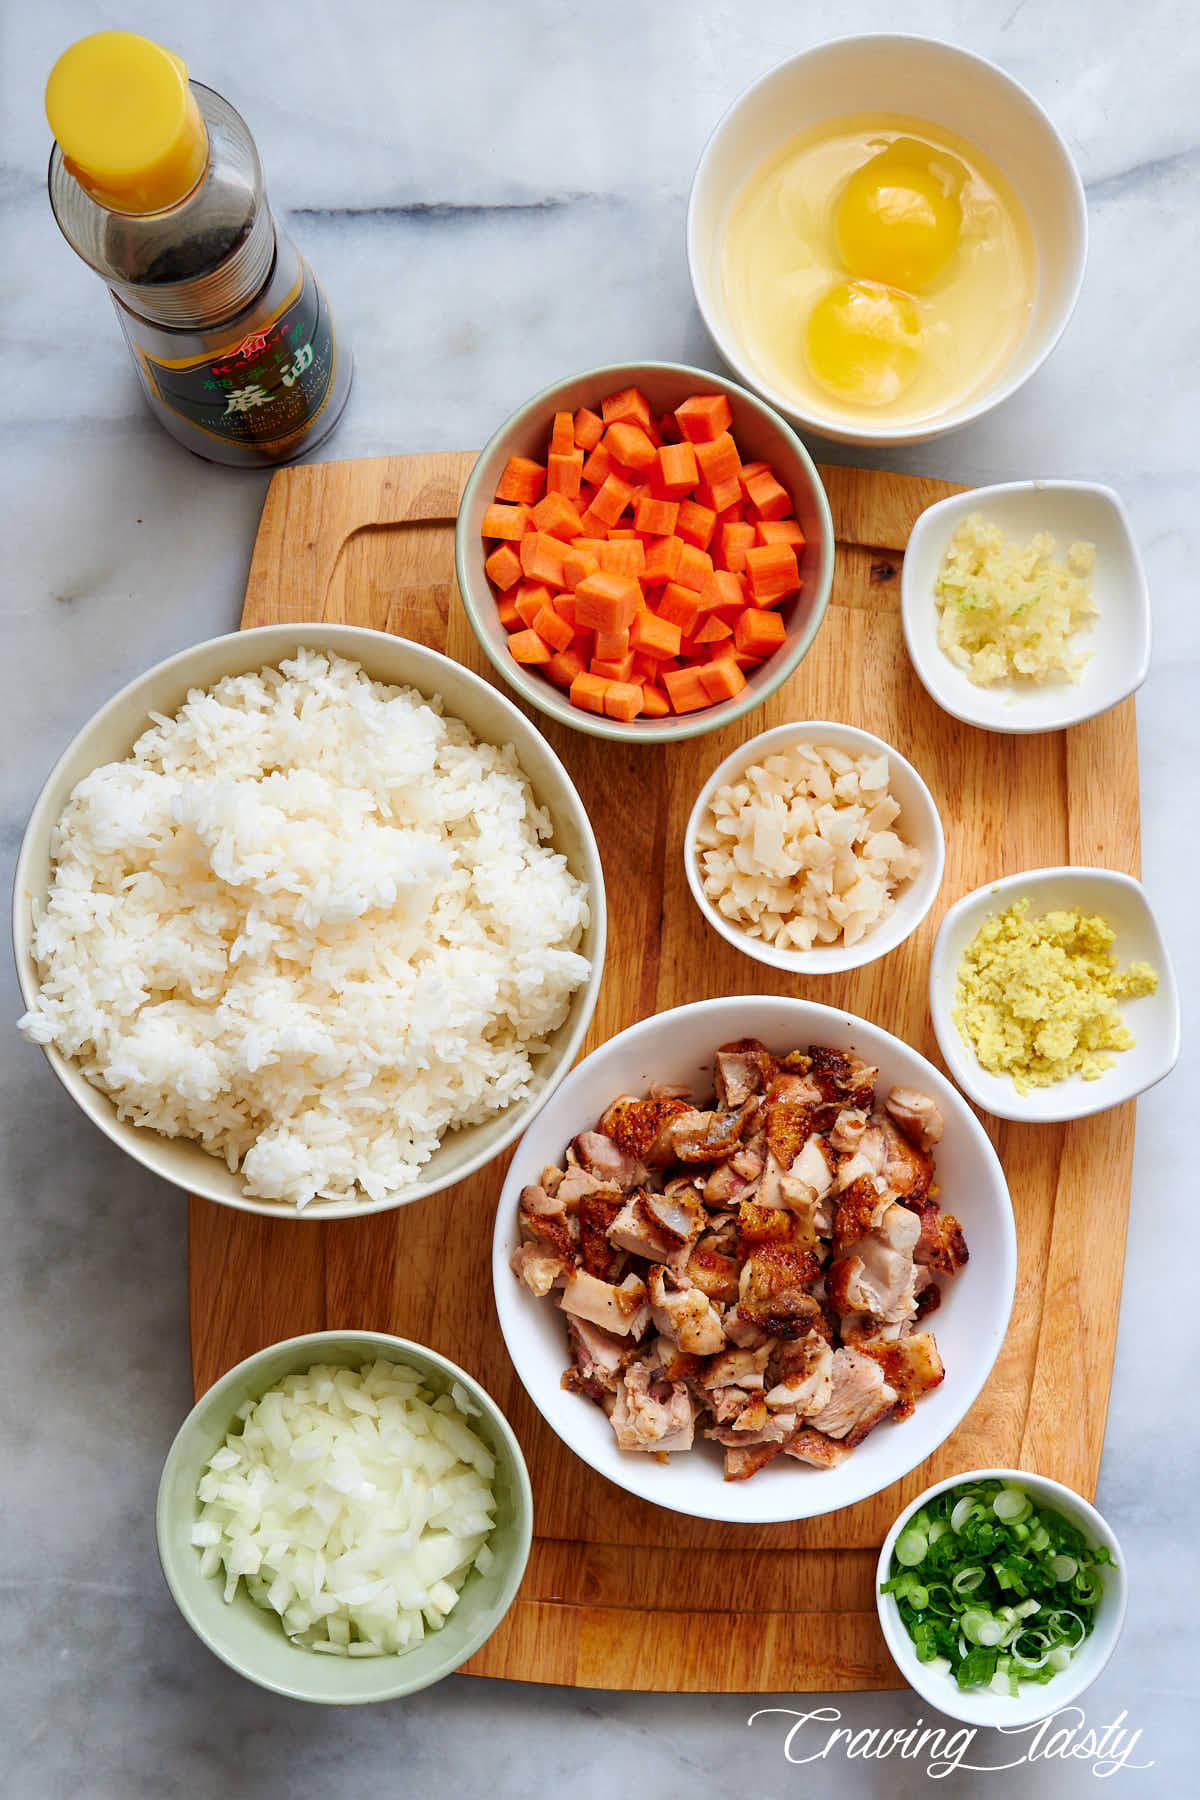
x=492, y=197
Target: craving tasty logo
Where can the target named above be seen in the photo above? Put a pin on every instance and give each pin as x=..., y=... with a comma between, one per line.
x=1064, y=1736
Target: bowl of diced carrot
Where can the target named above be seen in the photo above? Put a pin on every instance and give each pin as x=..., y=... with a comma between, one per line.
x=645, y=551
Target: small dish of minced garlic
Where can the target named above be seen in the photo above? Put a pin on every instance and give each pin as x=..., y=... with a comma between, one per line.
x=1025, y=606
x=814, y=847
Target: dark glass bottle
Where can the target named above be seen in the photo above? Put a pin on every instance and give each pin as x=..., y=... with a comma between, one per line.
x=156, y=183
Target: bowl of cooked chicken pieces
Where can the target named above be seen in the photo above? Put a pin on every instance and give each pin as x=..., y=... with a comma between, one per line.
x=755, y=1259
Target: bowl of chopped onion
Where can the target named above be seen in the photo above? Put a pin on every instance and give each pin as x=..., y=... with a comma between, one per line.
x=1001, y=1595
x=344, y=1517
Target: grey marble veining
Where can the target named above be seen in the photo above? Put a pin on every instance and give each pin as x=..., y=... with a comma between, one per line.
x=494, y=196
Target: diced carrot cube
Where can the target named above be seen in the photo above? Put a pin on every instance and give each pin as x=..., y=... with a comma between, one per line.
x=624, y=556
x=598, y=466
x=662, y=560
x=562, y=434
x=629, y=446
x=695, y=524
x=589, y=429
x=563, y=667
x=621, y=534
x=610, y=644
x=528, y=647
x=718, y=460
x=772, y=572
x=780, y=531
x=591, y=546
x=647, y=668
x=704, y=417
x=731, y=515
x=653, y=433
x=523, y=479
x=750, y=470
x=553, y=629
x=607, y=602
x=657, y=517
x=542, y=557
x=509, y=522
x=767, y=497
x=555, y=515
x=588, y=691
x=695, y=567
x=719, y=496
x=733, y=542
x=714, y=629
x=564, y=473
x=630, y=407
x=506, y=612
x=593, y=524
x=613, y=498
x=564, y=606
x=654, y=636
x=613, y=668
x=623, y=700
x=503, y=567
x=578, y=565
x=724, y=594
x=722, y=679
x=655, y=704
x=679, y=604
x=685, y=691
x=529, y=600
x=668, y=428
x=677, y=470
x=758, y=632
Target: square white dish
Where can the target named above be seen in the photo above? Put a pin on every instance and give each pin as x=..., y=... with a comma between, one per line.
x=1118, y=640
x=1153, y=1018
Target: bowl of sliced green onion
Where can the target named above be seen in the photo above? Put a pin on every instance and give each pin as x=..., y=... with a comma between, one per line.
x=1001, y=1595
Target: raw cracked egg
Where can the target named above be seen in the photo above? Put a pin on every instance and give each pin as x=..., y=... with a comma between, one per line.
x=877, y=268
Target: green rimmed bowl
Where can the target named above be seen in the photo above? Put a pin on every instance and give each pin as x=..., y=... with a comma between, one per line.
x=253, y=1641
x=761, y=434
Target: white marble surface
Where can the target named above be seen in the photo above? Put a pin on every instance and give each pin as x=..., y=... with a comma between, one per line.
x=493, y=196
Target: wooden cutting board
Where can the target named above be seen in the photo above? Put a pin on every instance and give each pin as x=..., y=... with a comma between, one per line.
x=620, y=1594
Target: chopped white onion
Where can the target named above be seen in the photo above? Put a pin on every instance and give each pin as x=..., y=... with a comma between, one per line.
x=352, y=1505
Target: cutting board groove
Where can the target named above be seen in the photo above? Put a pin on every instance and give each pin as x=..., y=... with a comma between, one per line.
x=620, y=1594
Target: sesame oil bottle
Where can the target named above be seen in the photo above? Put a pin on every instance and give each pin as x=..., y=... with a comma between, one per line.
x=155, y=182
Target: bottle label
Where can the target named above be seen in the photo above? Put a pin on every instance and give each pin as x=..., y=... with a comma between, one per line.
x=268, y=386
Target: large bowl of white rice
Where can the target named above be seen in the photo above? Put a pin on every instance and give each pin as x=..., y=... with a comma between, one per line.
x=310, y=920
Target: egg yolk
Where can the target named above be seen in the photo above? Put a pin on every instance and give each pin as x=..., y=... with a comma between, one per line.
x=899, y=216
x=864, y=341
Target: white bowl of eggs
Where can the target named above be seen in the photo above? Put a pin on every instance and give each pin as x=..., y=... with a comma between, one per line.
x=886, y=238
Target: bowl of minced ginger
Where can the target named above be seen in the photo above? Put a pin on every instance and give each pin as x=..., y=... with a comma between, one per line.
x=1028, y=996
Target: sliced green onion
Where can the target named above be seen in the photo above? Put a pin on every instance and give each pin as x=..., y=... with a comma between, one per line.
x=1012, y=1504
x=1064, y=1567
x=910, y=1548
x=939, y=1665
x=967, y=1580
x=1059, y=1658
x=917, y=1597
x=962, y=1512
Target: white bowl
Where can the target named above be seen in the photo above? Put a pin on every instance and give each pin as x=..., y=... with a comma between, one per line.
x=970, y=1323
x=923, y=79
x=1153, y=1019
x=979, y=1706
x=918, y=824
x=1119, y=640
x=110, y=735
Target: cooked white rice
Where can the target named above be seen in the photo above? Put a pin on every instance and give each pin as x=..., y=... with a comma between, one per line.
x=800, y=849
x=312, y=923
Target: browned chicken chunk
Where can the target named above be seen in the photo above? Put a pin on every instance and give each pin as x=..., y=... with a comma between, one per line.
x=755, y=1269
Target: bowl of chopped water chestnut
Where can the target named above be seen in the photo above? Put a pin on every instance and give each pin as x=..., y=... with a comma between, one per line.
x=344, y=1517
x=1001, y=1595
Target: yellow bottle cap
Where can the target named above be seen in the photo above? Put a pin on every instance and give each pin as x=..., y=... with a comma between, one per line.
x=130, y=130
